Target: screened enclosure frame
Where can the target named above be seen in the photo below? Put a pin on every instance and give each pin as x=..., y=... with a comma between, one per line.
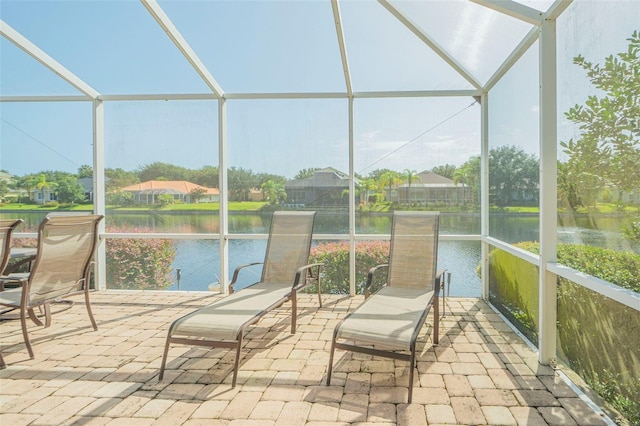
x=543, y=32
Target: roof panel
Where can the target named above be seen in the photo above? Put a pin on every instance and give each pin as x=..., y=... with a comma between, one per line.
x=257, y=46
x=477, y=37
x=115, y=47
x=22, y=75
x=384, y=55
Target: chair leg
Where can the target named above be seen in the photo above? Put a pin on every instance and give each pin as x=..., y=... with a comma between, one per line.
x=319, y=294
x=294, y=311
x=25, y=334
x=34, y=318
x=412, y=366
x=333, y=348
x=88, y=305
x=237, y=363
x=436, y=321
x=164, y=357
x=47, y=315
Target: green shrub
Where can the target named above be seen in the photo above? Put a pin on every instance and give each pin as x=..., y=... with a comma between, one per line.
x=139, y=264
x=618, y=267
x=631, y=230
x=596, y=335
x=335, y=272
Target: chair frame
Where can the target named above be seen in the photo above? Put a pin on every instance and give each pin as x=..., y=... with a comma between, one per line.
x=438, y=282
x=25, y=305
x=305, y=276
x=7, y=227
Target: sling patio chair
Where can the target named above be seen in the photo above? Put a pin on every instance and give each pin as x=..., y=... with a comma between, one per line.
x=6, y=229
x=62, y=267
x=285, y=272
x=388, y=322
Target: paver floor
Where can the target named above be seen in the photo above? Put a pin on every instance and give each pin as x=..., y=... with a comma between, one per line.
x=480, y=373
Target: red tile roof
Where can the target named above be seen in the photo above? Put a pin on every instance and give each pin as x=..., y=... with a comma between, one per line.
x=181, y=186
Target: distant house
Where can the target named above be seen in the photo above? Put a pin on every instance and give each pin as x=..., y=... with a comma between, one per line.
x=87, y=186
x=256, y=195
x=430, y=188
x=326, y=187
x=43, y=195
x=148, y=192
x=630, y=197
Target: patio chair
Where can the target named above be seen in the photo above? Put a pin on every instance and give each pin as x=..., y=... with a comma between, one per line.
x=284, y=273
x=66, y=245
x=388, y=322
x=6, y=229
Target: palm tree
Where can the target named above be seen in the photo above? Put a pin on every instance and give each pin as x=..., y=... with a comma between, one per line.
x=469, y=174
x=273, y=191
x=28, y=182
x=389, y=179
x=366, y=185
x=410, y=176
x=43, y=185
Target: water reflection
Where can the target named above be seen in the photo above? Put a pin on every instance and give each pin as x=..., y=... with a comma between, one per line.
x=199, y=260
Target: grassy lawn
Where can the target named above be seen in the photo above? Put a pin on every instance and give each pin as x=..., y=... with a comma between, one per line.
x=249, y=206
x=515, y=209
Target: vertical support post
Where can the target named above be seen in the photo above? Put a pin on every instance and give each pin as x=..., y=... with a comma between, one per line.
x=352, y=207
x=484, y=191
x=548, y=191
x=99, y=192
x=224, y=195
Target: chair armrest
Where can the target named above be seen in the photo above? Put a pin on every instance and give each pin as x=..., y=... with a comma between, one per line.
x=237, y=272
x=16, y=265
x=370, y=275
x=439, y=281
x=6, y=279
x=297, y=285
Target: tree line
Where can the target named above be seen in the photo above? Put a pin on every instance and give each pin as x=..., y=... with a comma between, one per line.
x=512, y=171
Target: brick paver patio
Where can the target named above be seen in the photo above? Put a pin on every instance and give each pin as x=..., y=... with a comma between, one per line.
x=480, y=373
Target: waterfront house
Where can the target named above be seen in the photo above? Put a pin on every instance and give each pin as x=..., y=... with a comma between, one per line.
x=326, y=187
x=431, y=188
x=182, y=191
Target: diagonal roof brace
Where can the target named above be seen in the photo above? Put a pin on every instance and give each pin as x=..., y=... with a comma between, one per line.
x=514, y=9
x=343, y=48
x=163, y=20
x=432, y=44
x=557, y=8
x=514, y=57
x=39, y=55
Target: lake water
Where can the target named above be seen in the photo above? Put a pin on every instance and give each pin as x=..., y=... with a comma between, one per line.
x=199, y=261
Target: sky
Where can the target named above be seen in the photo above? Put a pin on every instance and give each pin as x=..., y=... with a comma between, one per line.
x=270, y=46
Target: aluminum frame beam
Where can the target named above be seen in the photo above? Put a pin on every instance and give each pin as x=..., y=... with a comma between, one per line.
x=439, y=50
x=514, y=9
x=548, y=193
x=343, y=48
x=163, y=20
x=557, y=8
x=514, y=57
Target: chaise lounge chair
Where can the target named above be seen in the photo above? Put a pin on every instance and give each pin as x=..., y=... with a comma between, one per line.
x=388, y=322
x=284, y=273
x=66, y=245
